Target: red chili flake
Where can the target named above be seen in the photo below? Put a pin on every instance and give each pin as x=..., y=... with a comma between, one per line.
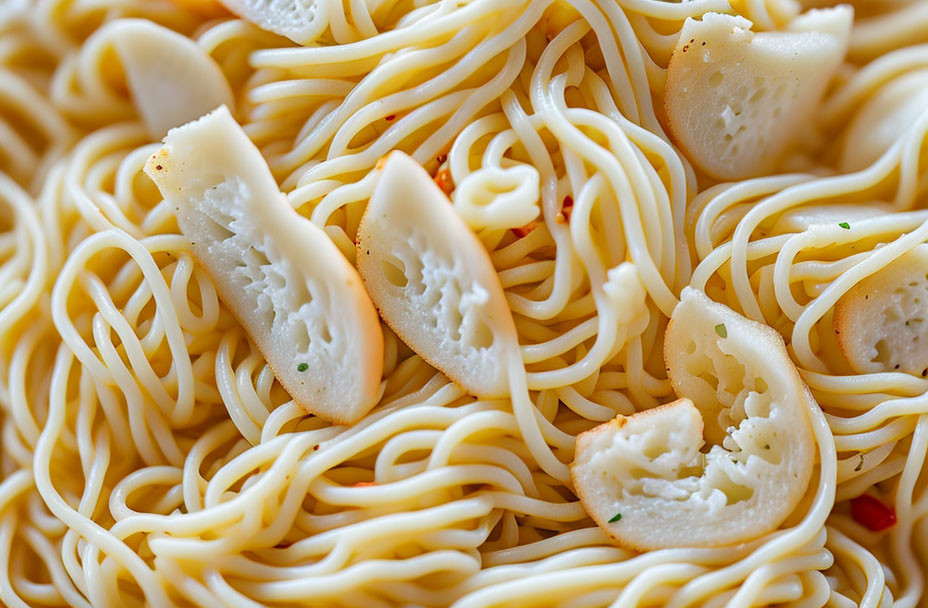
x=159, y=167
x=441, y=158
x=390, y=117
x=524, y=230
x=567, y=206
x=871, y=513
x=444, y=181
x=315, y=447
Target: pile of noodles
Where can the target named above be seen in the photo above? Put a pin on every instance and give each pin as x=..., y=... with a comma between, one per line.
x=150, y=458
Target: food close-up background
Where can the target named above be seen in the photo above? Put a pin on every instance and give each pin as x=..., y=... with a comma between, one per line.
x=372, y=303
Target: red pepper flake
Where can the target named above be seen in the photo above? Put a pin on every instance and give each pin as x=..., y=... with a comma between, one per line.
x=524, y=230
x=390, y=117
x=872, y=514
x=159, y=167
x=441, y=158
x=315, y=447
x=444, y=181
x=567, y=206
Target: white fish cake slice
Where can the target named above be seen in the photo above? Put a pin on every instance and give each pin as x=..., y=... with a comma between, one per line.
x=736, y=100
x=648, y=480
x=302, y=21
x=433, y=281
x=881, y=324
x=296, y=295
x=171, y=80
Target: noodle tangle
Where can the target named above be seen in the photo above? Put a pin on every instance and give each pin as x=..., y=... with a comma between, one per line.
x=151, y=458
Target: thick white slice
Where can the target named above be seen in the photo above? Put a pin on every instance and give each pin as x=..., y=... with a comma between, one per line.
x=172, y=80
x=884, y=118
x=288, y=284
x=742, y=393
x=433, y=281
x=881, y=324
x=736, y=100
x=302, y=21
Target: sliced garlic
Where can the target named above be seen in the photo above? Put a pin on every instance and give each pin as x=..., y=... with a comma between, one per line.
x=171, y=80
x=736, y=100
x=433, y=281
x=299, y=299
x=881, y=324
x=648, y=479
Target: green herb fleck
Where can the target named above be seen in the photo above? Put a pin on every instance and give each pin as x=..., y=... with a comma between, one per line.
x=860, y=464
x=302, y=367
x=845, y=225
x=721, y=331
x=615, y=518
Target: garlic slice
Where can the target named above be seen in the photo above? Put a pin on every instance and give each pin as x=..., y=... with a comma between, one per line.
x=647, y=479
x=172, y=80
x=433, y=281
x=881, y=324
x=299, y=299
x=302, y=21
x=736, y=100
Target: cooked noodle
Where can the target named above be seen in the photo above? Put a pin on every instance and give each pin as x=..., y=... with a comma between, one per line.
x=149, y=457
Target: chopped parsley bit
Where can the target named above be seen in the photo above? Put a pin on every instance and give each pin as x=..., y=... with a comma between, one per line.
x=721, y=331
x=615, y=518
x=860, y=464
x=302, y=367
x=845, y=225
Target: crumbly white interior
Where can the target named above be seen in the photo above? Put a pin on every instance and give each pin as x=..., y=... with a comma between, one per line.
x=299, y=20
x=433, y=281
x=882, y=323
x=288, y=284
x=654, y=468
x=736, y=99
